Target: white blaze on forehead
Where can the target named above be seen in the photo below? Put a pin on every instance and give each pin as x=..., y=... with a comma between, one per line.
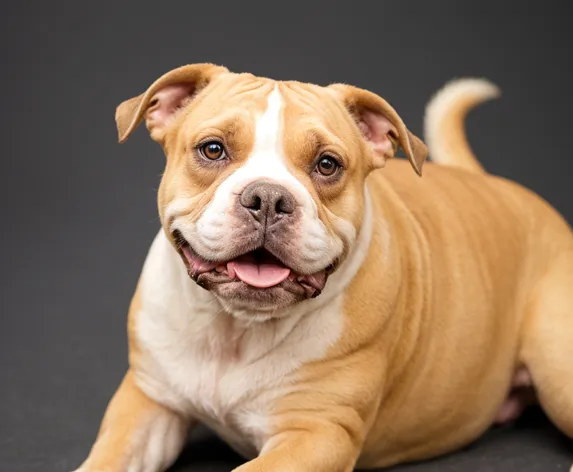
x=268, y=139
x=268, y=160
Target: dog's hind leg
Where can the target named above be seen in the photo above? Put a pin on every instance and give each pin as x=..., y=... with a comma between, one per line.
x=547, y=342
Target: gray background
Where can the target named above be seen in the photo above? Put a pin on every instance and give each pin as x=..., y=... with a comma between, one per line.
x=78, y=211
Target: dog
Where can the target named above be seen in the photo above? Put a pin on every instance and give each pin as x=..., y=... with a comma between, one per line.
x=323, y=304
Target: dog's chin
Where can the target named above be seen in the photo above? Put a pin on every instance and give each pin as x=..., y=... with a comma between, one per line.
x=239, y=298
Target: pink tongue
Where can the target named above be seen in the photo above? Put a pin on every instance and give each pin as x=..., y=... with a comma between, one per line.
x=260, y=274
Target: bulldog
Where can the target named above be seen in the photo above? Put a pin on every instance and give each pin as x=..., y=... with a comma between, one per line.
x=322, y=306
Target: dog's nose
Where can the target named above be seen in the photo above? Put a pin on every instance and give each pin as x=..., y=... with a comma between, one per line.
x=267, y=201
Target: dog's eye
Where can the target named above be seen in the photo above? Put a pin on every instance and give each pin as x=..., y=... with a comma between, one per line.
x=327, y=166
x=213, y=150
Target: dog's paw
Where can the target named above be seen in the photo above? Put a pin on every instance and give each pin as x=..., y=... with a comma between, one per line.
x=152, y=448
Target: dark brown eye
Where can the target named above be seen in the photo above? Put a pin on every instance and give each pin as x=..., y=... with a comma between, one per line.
x=327, y=166
x=213, y=150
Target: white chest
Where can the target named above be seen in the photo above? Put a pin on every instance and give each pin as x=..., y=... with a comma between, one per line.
x=228, y=376
x=228, y=384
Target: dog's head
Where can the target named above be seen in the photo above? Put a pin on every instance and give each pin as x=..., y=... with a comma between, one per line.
x=263, y=191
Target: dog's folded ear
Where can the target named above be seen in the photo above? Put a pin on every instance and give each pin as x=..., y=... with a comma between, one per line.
x=381, y=126
x=159, y=103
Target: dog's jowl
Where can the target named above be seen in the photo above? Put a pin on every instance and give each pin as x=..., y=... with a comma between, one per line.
x=322, y=305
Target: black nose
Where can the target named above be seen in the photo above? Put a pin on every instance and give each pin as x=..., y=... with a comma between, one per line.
x=266, y=201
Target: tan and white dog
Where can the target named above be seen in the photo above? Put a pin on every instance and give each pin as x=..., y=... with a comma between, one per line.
x=322, y=315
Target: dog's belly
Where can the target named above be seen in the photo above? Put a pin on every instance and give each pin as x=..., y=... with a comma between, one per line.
x=440, y=425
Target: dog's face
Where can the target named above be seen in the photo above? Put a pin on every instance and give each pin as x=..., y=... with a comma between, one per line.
x=263, y=189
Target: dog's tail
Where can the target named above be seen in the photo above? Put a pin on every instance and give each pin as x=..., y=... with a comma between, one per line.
x=444, y=122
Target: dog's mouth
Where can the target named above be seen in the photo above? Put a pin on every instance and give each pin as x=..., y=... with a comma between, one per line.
x=258, y=269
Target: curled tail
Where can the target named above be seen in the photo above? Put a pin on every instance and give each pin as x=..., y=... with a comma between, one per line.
x=444, y=128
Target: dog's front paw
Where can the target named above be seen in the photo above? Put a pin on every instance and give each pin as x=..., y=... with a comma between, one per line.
x=151, y=447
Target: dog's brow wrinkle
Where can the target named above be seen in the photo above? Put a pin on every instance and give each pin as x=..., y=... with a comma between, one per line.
x=250, y=87
x=303, y=96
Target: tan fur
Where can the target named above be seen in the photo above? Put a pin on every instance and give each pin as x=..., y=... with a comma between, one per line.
x=467, y=279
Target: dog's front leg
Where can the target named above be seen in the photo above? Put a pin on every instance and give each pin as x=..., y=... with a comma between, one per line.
x=319, y=447
x=136, y=434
